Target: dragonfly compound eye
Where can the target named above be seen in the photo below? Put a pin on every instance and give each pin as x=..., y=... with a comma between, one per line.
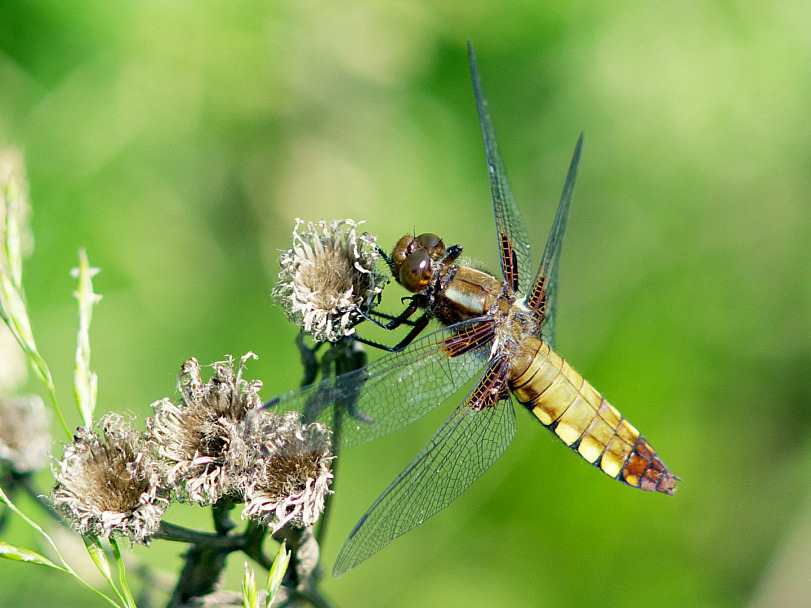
x=402, y=249
x=432, y=244
x=415, y=272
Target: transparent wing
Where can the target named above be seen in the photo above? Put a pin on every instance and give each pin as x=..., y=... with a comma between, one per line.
x=542, y=299
x=513, y=241
x=396, y=389
x=471, y=440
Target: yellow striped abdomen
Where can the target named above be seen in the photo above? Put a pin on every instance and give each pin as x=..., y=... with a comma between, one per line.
x=567, y=404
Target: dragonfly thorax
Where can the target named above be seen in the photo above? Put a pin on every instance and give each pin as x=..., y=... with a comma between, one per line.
x=515, y=325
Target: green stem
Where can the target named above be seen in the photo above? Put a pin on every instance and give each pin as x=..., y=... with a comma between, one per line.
x=122, y=574
x=49, y=386
x=205, y=561
x=175, y=533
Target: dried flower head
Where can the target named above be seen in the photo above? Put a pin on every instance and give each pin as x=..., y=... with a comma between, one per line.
x=282, y=468
x=328, y=277
x=108, y=483
x=193, y=436
x=24, y=434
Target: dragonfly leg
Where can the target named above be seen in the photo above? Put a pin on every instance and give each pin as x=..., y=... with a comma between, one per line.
x=404, y=318
x=308, y=359
x=387, y=259
x=384, y=315
x=416, y=329
x=451, y=253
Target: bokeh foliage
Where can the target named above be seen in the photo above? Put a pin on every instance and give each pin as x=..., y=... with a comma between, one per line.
x=178, y=141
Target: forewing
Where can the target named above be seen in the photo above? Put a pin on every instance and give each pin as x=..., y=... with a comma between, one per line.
x=396, y=389
x=471, y=440
x=513, y=241
x=542, y=300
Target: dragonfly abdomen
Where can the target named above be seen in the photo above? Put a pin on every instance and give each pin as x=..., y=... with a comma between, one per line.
x=562, y=400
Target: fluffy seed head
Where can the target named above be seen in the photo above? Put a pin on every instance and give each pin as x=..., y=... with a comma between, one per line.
x=108, y=483
x=193, y=435
x=328, y=277
x=282, y=467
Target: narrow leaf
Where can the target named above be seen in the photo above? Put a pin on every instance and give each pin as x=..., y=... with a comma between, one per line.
x=13, y=308
x=99, y=557
x=65, y=566
x=19, y=554
x=12, y=301
x=122, y=574
x=85, y=382
x=276, y=573
x=12, y=200
x=250, y=598
x=96, y=553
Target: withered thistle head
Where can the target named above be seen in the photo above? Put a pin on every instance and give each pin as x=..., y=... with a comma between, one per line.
x=282, y=468
x=24, y=434
x=108, y=483
x=328, y=277
x=193, y=436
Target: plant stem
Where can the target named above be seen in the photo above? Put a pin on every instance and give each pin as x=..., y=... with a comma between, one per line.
x=205, y=559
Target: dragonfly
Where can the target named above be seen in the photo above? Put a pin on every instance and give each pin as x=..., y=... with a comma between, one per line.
x=498, y=330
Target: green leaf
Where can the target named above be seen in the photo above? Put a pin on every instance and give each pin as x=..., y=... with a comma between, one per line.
x=276, y=573
x=12, y=300
x=122, y=574
x=12, y=201
x=96, y=553
x=99, y=557
x=250, y=597
x=65, y=566
x=85, y=382
x=18, y=554
x=13, y=308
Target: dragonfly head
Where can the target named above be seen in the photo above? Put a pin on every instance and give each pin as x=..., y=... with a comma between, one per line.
x=413, y=257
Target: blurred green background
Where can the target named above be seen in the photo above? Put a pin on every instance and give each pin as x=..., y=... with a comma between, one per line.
x=177, y=142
